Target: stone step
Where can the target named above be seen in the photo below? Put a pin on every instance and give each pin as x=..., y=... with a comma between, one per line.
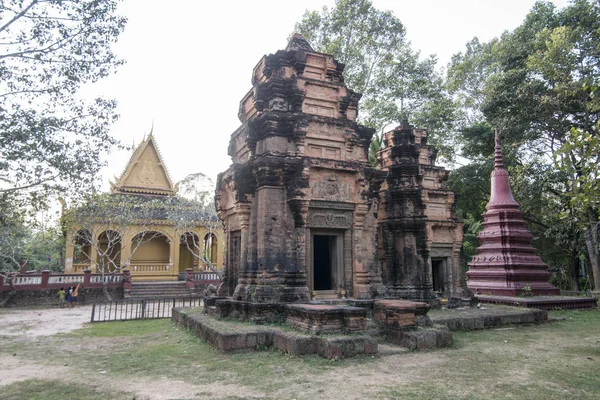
x=159, y=289
x=326, y=295
x=181, y=293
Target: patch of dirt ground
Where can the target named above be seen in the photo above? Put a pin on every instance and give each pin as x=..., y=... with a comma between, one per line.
x=29, y=325
x=32, y=323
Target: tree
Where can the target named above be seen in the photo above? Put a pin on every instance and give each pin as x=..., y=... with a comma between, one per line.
x=579, y=157
x=536, y=85
x=198, y=188
x=186, y=217
x=380, y=64
x=51, y=140
x=107, y=226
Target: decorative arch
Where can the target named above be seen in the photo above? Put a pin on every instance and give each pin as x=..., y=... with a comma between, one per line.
x=211, y=248
x=82, y=249
x=151, y=247
x=189, y=251
x=109, y=248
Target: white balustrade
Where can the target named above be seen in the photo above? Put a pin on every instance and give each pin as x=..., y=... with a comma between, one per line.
x=149, y=267
x=106, y=279
x=204, y=276
x=27, y=280
x=65, y=279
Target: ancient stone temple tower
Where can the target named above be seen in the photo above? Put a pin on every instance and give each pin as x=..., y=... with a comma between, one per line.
x=506, y=263
x=300, y=202
x=419, y=238
x=297, y=202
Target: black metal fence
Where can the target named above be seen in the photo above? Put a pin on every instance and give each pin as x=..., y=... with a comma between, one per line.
x=129, y=309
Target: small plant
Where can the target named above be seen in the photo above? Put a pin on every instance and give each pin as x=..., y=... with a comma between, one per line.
x=526, y=291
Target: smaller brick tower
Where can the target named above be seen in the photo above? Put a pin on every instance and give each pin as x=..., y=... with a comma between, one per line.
x=506, y=262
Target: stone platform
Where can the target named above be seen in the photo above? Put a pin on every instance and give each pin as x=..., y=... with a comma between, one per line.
x=406, y=324
x=541, y=302
x=492, y=316
x=394, y=323
x=230, y=336
x=322, y=318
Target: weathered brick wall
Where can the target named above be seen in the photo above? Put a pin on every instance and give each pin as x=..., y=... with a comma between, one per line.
x=49, y=297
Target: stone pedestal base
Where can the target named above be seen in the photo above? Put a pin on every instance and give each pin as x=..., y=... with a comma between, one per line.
x=321, y=318
x=401, y=314
x=257, y=313
x=412, y=293
x=272, y=287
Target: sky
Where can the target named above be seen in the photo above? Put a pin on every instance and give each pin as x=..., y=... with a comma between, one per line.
x=189, y=63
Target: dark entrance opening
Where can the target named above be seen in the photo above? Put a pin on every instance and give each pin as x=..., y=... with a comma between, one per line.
x=324, y=258
x=437, y=272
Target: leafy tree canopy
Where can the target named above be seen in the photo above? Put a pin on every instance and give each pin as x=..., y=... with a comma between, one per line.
x=380, y=64
x=538, y=85
x=50, y=139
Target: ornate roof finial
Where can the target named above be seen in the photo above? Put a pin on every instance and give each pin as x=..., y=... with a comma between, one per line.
x=404, y=118
x=498, y=160
x=298, y=42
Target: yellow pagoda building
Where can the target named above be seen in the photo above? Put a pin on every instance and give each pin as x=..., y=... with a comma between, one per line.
x=168, y=251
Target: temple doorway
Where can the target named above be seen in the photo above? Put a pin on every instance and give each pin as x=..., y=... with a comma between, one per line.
x=438, y=274
x=327, y=264
x=323, y=254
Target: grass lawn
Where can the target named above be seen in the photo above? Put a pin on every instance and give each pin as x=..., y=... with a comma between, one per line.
x=557, y=360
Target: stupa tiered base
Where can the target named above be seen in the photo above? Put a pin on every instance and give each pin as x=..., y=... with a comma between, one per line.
x=542, y=302
x=506, y=263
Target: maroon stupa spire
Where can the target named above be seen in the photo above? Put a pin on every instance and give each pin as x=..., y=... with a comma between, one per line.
x=506, y=262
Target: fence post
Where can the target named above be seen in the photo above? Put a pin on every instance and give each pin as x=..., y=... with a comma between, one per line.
x=93, y=310
x=87, y=278
x=127, y=284
x=45, y=278
x=189, y=278
x=143, y=308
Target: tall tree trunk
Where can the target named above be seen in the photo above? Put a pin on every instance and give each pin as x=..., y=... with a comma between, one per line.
x=591, y=241
x=105, y=290
x=575, y=263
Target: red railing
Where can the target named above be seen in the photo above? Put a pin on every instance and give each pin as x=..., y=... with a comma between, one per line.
x=194, y=278
x=49, y=280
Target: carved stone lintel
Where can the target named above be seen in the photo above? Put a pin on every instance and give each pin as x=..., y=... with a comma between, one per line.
x=338, y=205
x=329, y=219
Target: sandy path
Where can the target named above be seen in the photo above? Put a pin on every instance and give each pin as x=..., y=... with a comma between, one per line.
x=42, y=322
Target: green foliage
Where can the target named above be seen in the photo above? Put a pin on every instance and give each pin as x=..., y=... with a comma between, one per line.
x=579, y=159
x=376, y=144
x=50, y=139
x=13, y=233
x=380, y=63
x=537, y=85
x=199, y=188
x=472, y=227
x=44, y=250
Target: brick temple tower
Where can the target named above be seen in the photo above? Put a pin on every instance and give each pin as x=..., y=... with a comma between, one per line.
x=297, y=202
x=305, y=214
x=506, y=262
x=419, y=237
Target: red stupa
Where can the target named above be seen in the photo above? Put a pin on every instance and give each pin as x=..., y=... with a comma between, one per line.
x=506, y=263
